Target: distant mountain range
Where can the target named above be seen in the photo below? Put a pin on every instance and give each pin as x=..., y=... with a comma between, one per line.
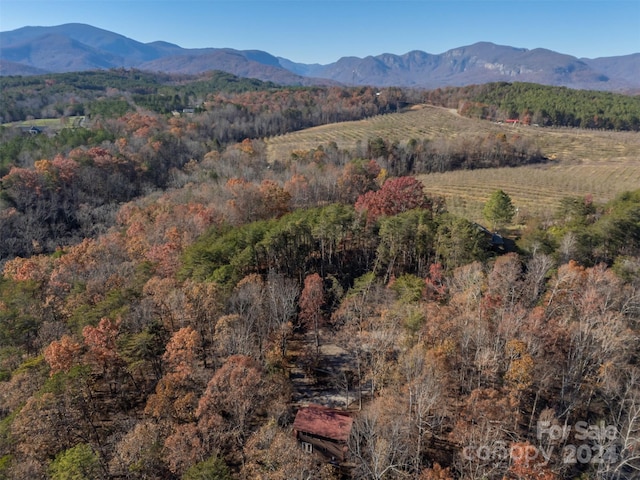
x=79, y=47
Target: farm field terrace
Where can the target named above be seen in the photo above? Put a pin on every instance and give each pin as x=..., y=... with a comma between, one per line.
x=581, y=162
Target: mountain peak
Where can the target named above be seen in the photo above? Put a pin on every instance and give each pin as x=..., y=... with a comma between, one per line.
x=78, y=46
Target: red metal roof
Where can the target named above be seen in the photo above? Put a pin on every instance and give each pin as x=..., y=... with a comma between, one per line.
x=324, y=422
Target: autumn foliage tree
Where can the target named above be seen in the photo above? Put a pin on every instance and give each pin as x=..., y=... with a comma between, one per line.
x=101, y=343
x=311, y=302
x=358, y=177
x=175, y=396
x=61, y=354
x=436, y=473
x=183, y=448
x=250, y=202
x=230, y=401
x=272, y=453
x=396, y=195
x=528, y=464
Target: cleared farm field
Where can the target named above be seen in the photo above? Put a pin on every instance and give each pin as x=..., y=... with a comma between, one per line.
x=434, y=122
x=423, y=122
x=583, y=162
x=49, y=123
x=533, y=190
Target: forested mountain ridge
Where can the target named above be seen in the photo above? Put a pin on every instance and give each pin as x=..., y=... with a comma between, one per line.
x=164, y=282
x=113, y=92
x=75, y=47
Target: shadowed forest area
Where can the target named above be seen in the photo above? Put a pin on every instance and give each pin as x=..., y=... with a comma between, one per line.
x=171, y=295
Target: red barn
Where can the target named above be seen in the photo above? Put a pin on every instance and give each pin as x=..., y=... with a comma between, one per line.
x=323, y=430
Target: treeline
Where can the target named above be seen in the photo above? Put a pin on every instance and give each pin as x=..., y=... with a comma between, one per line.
x=427, y=155
x=231, y=118
x=592, y=234
x=468, y=153
x=18, y=149
x=111, y=93
x=338, y=243
x=220, y=120
x=534, y=104
x=94, y=92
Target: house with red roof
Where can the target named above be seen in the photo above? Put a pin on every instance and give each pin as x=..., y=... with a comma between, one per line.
x=323, y=430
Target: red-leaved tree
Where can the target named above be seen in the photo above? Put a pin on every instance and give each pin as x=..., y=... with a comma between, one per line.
x=101, y=342
x=396, y=195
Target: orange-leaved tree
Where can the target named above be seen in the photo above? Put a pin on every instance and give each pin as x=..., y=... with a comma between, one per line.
x=311, y=302
x=62, y=354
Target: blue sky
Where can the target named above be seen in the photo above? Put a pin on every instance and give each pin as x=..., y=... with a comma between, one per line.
x=321, y=31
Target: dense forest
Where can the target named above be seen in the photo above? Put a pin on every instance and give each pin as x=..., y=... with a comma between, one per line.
x=541, y=105
x=164, y=287
x=112, y=92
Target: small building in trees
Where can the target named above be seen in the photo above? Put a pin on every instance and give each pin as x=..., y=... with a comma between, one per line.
x=323, y=430
x=497, y=242
x=495, y=239
x=33, y=130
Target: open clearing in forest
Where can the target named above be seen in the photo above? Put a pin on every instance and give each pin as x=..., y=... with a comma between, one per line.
x=49, y=123
x=533, y=190
x=583, y=162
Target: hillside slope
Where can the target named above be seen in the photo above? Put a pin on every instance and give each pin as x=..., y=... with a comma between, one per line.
x=75, y=47
x=582, y=162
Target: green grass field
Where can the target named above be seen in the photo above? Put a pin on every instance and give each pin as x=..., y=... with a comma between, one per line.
x=49, y=123
x=599, y=163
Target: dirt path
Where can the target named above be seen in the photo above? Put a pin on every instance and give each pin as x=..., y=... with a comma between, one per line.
x=323, y=383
